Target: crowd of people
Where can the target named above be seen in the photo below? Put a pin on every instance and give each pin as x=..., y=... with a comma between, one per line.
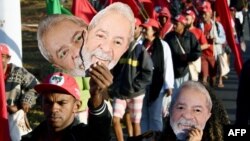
x=121, y=67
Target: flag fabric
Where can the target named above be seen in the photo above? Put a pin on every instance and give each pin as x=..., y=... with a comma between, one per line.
x=83, y=9
x=223, y=11
x=148, y=5
x=161, y=3
x=4, y=130
x=54, y=7
x=135, y=8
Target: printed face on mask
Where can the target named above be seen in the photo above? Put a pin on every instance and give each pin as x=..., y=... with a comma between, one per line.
x=63, y=42
x=189, y=111
x=107, y=40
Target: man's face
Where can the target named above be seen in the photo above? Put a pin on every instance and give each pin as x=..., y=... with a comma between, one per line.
x=59, y=110
x=189, y=20
x=64, y=41
x=138, y=30
x=178, y=27
x=232, y=13
x=5, y=61
x=206, y=16
x=190, y=110
x=162, y=20
x=108, y=40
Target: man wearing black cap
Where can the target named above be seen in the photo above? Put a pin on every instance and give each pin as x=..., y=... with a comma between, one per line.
x=60, y=102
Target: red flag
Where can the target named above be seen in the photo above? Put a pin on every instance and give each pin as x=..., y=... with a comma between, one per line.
x=133, y=5
x=148, y=5
x=161, y=3
x=83, y=9
x=4, y=129
x=223, y=11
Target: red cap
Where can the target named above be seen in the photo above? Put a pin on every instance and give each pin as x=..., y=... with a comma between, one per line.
x=207, y=10
x=181, y=19
x=137, y=22
x=206, y=7
x=190, y=13
x=165, y=12
x=4, y=49
x=151, y=22
x=59, y=82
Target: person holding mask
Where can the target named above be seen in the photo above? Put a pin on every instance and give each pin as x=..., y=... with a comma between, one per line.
x=73, y=50
x=190, y=110
x=60, y=102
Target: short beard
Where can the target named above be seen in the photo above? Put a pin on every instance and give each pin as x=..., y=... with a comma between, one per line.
x=87, y=58
x=181, y=134
x=188, y=26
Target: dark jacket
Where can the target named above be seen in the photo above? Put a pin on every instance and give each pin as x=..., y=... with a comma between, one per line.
x=132, y=74
x=19, y=86
x=169, y=135
x=98, y=128
x=243, y=97
x=192, y=50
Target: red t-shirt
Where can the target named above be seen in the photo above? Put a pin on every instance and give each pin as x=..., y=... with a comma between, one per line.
x=209, y=51
x=199, y=35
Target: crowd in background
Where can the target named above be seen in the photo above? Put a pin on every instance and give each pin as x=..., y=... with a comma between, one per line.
x=183, y=47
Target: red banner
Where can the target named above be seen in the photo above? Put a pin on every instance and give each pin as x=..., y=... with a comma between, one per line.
x=4, y=129
x=83, y=9
x=133, y=5
x=223, y=11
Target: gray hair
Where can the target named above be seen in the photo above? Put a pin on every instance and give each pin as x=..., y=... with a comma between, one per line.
x=48, y=23
x=118, y=8
x=192, y=85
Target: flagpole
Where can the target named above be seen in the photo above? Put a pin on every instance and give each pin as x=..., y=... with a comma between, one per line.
x=144, y=17
x=143, y=9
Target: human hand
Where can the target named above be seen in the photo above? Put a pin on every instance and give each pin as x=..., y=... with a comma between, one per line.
x=25, y=107
x=168, y=92
x=100, y=79
x=12, y=109
x=195, y=134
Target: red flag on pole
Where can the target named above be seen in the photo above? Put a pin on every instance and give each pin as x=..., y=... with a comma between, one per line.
x=149, y=7
x=223, y=11
x=161, y=3
x=83, y=9
x=4, y=129
x=133, y=5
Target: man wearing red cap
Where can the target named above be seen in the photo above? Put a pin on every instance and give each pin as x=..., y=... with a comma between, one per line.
x=215, y=34
x=19, y=84
x=185, y=49
x=61, y=101
x=190, y=16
